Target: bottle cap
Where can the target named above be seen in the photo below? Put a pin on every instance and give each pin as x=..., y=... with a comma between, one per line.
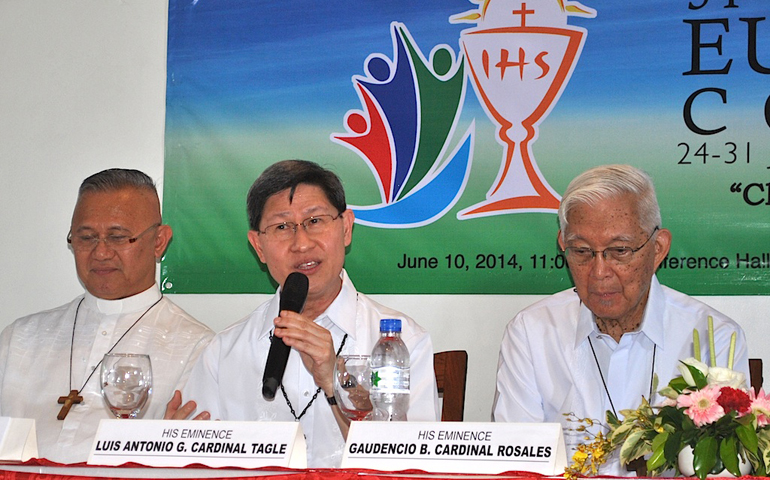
x=390, y=325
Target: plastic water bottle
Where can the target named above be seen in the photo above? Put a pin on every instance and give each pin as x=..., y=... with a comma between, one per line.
x=390, y=373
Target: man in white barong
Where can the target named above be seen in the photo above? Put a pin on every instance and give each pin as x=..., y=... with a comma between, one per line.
x=619, y=334
x=299, y=222
x=50, y=361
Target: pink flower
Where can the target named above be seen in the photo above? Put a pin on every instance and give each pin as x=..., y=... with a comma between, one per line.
x=760, y=407
x=702, y=406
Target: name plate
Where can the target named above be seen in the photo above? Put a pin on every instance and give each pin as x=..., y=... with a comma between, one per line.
x=456, y=447
x=18, y=440
x=175, y=443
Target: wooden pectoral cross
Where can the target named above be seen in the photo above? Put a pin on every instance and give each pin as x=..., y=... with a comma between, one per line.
x=68, y=401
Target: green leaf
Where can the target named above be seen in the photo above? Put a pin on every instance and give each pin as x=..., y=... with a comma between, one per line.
x=631, y=448
x=678, y=384
x=622, y=431
x=659, y=440
x=764, y=450
x=687, y=423
x=658, y=457
x=728, y=452
x=673, y=446
x=697, y=376
x=669, y=392
x=747, y=419
x=704, y=456
x=718, y=466
x=748, y=437
x=673, y=415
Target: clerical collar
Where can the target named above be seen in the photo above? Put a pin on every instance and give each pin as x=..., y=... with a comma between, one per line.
x=132, y=304
x=74, y=396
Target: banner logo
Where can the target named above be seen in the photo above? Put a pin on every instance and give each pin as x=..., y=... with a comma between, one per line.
x=520, y=57
x=410, y=110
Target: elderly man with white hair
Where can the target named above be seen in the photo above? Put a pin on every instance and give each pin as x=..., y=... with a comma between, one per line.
x=619, y=334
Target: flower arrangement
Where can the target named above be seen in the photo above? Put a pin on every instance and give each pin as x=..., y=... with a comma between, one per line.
x=708, y=409
x=589, y=456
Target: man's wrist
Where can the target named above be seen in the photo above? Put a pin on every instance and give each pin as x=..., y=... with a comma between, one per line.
x=330, y=400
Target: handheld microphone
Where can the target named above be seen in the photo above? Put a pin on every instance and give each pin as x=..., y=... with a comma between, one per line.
x=293, y=296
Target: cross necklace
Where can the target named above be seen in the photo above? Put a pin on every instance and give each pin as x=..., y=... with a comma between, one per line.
x=317, y=392
x=74, y=396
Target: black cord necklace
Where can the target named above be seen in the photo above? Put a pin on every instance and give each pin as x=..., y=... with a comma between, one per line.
x=318, y=391
x=607, y=390
x=74, y=395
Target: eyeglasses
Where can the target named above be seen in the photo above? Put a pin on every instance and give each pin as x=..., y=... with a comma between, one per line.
x=614, y=255
x=314, y=225
x=89, y=241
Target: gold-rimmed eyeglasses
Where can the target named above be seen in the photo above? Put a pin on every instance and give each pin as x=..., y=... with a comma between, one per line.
x=615, y=255
x=314, y=225
x=89, y=241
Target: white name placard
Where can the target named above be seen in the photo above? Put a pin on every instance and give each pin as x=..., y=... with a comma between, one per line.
x=456, y=447
x=18, y=440
x=174, y=443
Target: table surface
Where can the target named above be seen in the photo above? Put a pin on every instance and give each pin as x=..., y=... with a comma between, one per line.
x=34, y=471
x=44, y=470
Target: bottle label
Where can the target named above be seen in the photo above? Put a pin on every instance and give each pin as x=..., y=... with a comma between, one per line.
x=390, y=379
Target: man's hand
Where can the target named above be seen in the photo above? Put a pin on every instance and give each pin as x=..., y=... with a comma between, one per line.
x=175, y=410
x=313, y=342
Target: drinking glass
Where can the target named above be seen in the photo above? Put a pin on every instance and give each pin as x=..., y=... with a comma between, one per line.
x=352, y=381
x=126, y=383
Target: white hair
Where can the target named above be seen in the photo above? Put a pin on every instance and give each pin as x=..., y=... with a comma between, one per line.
x=610, y=181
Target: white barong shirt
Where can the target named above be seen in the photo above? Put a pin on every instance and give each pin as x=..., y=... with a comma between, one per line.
x=546, y=367
x=227, y=379
x=35, y=364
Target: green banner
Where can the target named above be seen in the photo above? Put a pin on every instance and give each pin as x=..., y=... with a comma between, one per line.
x=455, y=126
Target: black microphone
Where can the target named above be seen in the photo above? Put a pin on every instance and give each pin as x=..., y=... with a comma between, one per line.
x=293, y=296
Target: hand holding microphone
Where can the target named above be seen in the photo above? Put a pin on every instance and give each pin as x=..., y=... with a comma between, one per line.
x=293, y=296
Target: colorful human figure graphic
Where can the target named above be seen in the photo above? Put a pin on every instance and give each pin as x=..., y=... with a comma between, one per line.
x=410, y=110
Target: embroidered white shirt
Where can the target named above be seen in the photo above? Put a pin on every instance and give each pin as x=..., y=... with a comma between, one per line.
x=35, y=363
x=227, y=380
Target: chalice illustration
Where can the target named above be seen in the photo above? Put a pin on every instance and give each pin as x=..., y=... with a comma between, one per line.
x=519, y=73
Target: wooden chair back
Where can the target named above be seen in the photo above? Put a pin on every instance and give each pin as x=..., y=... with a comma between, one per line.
x=451, y=369
x=755, y=374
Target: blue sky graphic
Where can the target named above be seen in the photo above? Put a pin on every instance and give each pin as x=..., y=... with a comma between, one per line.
x=255, y=61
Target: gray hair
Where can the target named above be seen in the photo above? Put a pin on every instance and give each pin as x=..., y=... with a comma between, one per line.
x=116, y=179
x=610, y=181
